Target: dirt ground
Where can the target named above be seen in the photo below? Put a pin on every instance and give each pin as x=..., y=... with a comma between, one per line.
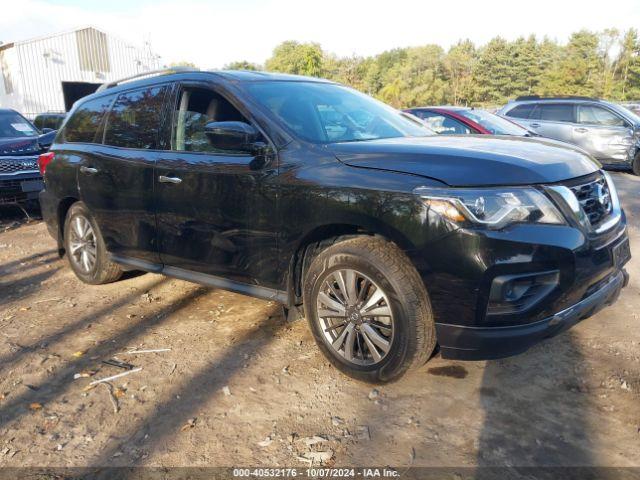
x=240, y=386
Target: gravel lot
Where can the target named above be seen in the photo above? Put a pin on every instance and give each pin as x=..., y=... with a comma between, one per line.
x=240, y=386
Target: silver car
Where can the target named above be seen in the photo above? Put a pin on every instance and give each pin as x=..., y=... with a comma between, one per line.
x=609, y=132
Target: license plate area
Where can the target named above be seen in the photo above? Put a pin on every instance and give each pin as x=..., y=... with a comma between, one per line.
x=621, y=253
x=32, y=186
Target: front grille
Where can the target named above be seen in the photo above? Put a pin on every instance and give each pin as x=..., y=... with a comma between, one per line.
x=15, y=165
x=595, y=199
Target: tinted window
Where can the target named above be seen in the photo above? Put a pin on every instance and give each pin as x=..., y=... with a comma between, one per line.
x=556, y=112
x=134, y=119
x=323, y=112
x=196, y=108
x=521, y=111
x=39, y=122
x=85, y=122
x=593, y=115
x=53, y=122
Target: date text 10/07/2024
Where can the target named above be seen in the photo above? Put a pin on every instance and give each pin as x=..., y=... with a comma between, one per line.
x=315, y=473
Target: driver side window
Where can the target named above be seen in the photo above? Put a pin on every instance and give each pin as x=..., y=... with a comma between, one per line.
x=196, y=108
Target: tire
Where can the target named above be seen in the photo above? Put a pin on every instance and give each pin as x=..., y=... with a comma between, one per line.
x=98, y=269
x=403, y=336
x=635, y=166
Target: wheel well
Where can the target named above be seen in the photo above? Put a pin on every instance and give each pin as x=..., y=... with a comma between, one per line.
x=63, y=208
x=310, y=246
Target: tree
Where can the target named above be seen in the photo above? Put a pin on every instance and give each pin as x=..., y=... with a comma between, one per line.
x=605, y=64
x=627, y=86
x=182, y=63
x=578, y=71
x=242, y=65
x=296, y=58
x=493, y=72
x=459, y=64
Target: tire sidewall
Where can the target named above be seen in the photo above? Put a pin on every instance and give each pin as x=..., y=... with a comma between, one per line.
x=635, y=167
x=393, y=364
x=93, y=277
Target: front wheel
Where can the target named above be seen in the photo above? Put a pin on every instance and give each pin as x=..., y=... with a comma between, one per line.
x=85, y=248
x=636, y=164
x=368, y=309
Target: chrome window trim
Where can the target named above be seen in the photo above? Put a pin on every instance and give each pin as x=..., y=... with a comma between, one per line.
x=19, y=172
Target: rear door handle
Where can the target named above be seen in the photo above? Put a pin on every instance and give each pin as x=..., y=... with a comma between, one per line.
x=581, y=130
x=164, y=179
x=88, y=170
x=535, y=125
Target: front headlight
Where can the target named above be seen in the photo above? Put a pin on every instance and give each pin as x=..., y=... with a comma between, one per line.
x=492, y=208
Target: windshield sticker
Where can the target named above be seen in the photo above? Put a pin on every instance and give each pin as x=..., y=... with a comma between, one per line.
x=22, y=127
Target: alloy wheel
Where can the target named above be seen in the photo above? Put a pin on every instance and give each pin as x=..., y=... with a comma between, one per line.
x=355, y=317
x=82, y=244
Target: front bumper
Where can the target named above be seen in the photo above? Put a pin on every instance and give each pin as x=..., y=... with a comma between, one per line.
x=20, y=187
x=476, y=343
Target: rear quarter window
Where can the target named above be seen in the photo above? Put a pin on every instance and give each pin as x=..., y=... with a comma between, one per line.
x=557, y=112
x=521, y=111
x=84, y=124
x=134, y=120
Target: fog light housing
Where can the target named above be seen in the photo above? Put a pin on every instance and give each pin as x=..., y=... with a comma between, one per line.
x=520, y=292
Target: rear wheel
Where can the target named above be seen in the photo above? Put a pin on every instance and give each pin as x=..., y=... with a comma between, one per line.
x=85, y=248
x=368, y=309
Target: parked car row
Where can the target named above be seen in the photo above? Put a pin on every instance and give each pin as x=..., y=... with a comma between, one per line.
x=607, y=131
x=390, y=238
x=465, y=120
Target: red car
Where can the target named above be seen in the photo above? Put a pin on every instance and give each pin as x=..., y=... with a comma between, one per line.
x=466, y=120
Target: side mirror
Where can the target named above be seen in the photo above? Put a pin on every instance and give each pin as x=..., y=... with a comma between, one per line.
x=47, y=130
x=232, y=136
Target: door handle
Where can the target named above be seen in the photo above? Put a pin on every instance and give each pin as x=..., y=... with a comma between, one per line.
x=88, y=170
x=164, y=179
x=581, y=130
x=535, y=125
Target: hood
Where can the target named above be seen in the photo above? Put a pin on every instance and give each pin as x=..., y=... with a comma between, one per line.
x=471, y=160
x=18, y=146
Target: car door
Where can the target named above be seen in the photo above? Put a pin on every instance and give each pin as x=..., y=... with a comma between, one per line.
x=553, y=120
x=116, y=178
x=603, y=133
x=216, y=209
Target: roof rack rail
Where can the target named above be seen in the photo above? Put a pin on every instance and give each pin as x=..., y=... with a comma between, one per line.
x=558, y=97
x=152, y=73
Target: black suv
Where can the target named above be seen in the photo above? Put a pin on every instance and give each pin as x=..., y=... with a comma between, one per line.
x=309, y=193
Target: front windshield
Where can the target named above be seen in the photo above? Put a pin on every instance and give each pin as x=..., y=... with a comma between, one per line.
x=327, y=113
x=627, y=112
x=13, y=125
x=495, y=124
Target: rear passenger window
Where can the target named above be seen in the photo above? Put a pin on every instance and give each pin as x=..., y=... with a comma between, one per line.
x=557, y=112
x=134, y=119
x=85, y=122
x=521, y=111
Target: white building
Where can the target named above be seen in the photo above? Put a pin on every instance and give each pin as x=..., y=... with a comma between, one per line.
x=49, y=74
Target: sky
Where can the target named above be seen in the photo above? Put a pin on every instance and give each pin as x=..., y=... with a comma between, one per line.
x=215, y=32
